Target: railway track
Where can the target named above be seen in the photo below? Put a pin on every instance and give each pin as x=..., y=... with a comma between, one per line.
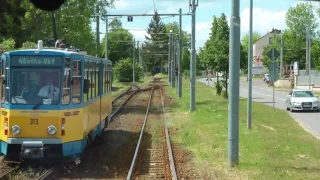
x=7, y=170
x=122, y=99
x=49, y=173
x=155, y=160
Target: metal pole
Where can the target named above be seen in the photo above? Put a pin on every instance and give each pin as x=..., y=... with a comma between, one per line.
x=234, y=66
x=138, y=47
x=273, y=76
x=142, y=63
x=55, y=35
x=281, y=56
x=169, y=60
x=97, y=31
x=249, y=109
x=307, y=50
x=193, y=59
x=173, y=61
x=134, y=62
x=107, y=32
x=180, y=56
x=309, y=57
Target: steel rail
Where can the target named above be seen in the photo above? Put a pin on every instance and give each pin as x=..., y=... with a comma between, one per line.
x=172, y=166
x=9, y=171
x=112, y=114
x=120, y=95
x=47, y=173
x=140, y=138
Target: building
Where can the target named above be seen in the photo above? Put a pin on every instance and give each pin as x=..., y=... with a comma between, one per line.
x=259, y=46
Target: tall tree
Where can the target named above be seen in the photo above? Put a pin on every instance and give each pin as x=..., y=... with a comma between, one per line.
x=23, y=22
x=245, y=49
x=158, y=44
x=294, y=38
x=118, y=48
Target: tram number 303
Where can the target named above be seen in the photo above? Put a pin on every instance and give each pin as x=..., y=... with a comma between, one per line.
x=33, y=121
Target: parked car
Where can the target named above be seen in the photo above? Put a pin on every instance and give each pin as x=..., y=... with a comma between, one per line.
x=266, y=78
x=299, y=100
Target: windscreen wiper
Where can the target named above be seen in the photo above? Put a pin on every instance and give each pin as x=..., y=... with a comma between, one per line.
x=37, y=105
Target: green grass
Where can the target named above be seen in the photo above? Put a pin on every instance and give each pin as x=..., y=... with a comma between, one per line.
x=122, y=87
x=276, y=147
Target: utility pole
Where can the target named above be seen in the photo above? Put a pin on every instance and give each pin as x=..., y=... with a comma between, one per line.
x=107, y=32
x=249, y=109
x=133, y=59
x=97, y=31
x=55, y=35
x=138, y=52
x=234, y=66
x=180, y=56
x=281, y=55
x=307, y=49
x=142, y=63
x=173, y=60
x=308, y=66
x=169, y=60
x=193, y=58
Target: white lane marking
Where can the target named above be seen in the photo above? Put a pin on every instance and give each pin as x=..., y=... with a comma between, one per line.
x=264, y=94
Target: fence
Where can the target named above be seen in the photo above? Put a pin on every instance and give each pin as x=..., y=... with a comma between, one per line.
x=303, y=78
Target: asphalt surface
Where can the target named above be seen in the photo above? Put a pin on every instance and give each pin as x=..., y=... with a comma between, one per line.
x=262, y=93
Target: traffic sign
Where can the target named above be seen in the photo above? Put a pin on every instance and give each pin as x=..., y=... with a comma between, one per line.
x=276, y=54
x=130, y=18
x=276, y=67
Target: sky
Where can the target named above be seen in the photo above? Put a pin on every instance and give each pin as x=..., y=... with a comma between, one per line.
x=267, y=14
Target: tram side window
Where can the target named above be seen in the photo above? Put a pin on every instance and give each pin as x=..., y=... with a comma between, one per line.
x=86, y=75
x=91, y=81
x=4, y=95
x=94, y=82
x=103, y=79
x=66, y=83
x=76, y=82
x=109, y=80
x=97, y=80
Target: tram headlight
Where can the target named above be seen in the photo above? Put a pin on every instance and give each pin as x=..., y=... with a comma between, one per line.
x=52, y=130
x=15, y=130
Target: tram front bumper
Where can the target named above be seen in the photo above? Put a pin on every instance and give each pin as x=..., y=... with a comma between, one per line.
x=32, y=150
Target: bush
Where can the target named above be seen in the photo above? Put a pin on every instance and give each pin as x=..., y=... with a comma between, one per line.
x=28, y=45
x=123, y=70
x=7, y=44
x=218, y=87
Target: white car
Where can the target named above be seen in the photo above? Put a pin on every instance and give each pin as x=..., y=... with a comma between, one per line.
x=298, y=100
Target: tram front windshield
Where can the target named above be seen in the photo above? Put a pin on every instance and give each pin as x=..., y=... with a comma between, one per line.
x=40, y=85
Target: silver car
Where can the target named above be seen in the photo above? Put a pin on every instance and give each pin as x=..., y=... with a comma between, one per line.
x=299, y=99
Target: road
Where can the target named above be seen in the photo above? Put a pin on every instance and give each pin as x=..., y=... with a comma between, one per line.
x=262, y=93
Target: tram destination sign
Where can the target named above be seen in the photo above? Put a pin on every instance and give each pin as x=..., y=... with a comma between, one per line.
x=36, y=60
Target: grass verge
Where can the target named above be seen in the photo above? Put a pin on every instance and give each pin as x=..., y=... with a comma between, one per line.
x=275, y=148
x=119, y=88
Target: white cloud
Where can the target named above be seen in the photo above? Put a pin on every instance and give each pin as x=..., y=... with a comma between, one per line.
x=202, y=32
x=263, y=20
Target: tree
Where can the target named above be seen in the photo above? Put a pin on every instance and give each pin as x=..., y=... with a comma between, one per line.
x=299, y=17
x=208, y=54
x=117, y=47
x=11, y=20
x=123, y=70
x=245, y=49
x=23, y=22
x=294, y=38
x=158, y=44
x=186, y=37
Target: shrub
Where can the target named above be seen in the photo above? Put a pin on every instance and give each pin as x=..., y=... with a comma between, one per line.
x=218, y=87
x=28, y=45
x=7, y=44
x=123, y=70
